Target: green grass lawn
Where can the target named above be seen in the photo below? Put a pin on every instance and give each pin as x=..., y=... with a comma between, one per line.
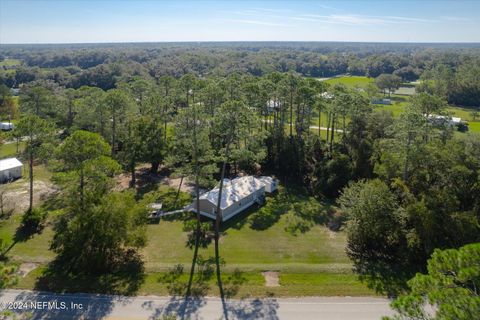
x=249, y=249
x=10, y=149
x=35, y=249
x=474, y=126
x=291, y=284
x=251, y=285
x=351, y=81
x=309, y=263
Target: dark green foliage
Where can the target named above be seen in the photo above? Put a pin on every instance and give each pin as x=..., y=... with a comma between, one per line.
x=85, y=169
x=8, y=276
x=94, y=239
x=451, y=286
x=458, y=84
x=388, y=82
x=334, y=174
x=376, y=227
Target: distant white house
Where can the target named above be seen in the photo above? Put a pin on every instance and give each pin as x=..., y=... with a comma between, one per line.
x=10, y=169
x=237, y=195
x=327, y=95
x=6, y=126
x=273, y=105
x=460, y=124
x=443, y=119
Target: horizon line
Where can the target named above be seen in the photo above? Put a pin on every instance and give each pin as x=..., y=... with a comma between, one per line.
x=241, y=41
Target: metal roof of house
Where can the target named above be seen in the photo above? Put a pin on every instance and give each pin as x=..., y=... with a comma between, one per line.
x=234, y=190
x=9, y=163
x=455, y=120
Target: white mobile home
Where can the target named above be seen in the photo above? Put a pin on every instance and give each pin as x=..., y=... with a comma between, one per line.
x=10, y=169
x=6, y=126
x=237, y=195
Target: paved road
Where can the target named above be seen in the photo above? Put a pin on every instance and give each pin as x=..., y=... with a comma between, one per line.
x=153, y=307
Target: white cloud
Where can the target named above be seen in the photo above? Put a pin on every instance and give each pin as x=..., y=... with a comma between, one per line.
x=353, y=19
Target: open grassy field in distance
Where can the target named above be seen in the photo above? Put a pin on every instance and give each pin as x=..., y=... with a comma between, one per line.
x=351, y=81
x=474, y=126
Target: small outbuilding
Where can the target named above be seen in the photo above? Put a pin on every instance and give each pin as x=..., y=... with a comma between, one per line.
x=10, y=169
x=6, y=126
x=270, y=183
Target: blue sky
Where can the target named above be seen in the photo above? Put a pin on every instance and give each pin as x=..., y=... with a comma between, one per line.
x=75, y=21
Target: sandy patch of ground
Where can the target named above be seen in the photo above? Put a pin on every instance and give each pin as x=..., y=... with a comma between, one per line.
x=143, y=177
x=26, y=268
x=271, y=279
x=187, y=186
x=16, y=197
x=331, y=234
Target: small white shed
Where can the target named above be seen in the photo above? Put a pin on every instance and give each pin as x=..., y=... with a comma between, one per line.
x=10, y=169
x=6, y=126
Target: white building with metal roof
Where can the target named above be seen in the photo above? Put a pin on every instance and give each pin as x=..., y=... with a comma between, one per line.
x=237, y=195
x=10, y=169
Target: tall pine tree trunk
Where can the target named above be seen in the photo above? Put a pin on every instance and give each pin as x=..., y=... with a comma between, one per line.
x=329, y=116
x=218, y=217
x=197, y=194
x=133, y=179
x=333, y=133
x=30, y=175
x=197, y=234
x=320, y=122
x=114, y=125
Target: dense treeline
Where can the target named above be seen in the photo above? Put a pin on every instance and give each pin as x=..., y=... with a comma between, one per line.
x=103, y=66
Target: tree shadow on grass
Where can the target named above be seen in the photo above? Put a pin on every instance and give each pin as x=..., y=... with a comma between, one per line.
x=259, y=217
x=383, y=278
x=177, y=284
x=24, y=232
x=125, y=278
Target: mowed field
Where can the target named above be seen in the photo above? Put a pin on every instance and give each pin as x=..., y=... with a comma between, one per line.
x=10, y=62
x=351, y=81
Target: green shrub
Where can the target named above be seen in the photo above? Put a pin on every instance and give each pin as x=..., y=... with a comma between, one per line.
x=297, y=224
